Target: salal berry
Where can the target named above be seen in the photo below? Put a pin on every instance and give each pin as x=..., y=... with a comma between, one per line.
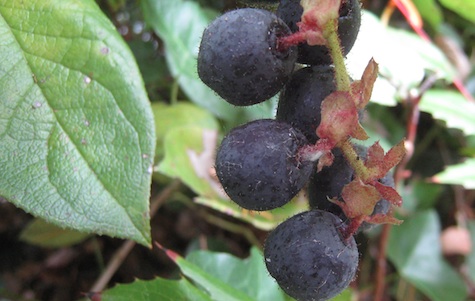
x=348, y=26
x=258, y=165
x=301, y=99
x=238, y=56
x=308, y=257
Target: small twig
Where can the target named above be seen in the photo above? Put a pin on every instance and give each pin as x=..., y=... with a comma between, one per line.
x=381, y=263
x=113, y=265
x=120, y=255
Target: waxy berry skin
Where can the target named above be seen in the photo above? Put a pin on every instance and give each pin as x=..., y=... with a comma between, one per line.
x=258, y=167
x=300, y=100
x=238, y=56
x=308, y=257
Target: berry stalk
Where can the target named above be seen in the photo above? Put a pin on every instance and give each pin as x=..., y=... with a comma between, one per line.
x=340, y=123
x=353, y=159
x=334, y=46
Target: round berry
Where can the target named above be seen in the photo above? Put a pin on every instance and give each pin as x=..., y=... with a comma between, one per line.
x=301, y=99
x=238, y=56
x=308, y=257
x=258, y=166
x=348, y=26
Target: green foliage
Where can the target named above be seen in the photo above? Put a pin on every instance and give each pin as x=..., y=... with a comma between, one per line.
x=158, y=289
x=388, y=46
x=430, y=12
x=76, y=150
x=414, y=248
x=40, y=233
x=182, y=42
x=459, y=174
x=451, y=107
x=79, y=140
x=211, y=276
x=464, y=8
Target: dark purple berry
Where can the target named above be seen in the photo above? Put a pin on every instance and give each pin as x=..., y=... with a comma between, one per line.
x=301, y=99
x=238, y=56
x=308, y=257
x=258, y=167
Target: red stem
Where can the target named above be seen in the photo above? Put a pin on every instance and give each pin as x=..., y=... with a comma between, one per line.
x=285, y=42
x=352, y=228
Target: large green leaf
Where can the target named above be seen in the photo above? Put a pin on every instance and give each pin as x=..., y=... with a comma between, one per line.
x=414, y=248
x=451, y=107
x=249, y=275
x=153, y=290
x=465, y=8
x=76, y=130
x=216, y=287
x=180, y=24
x=459, y=174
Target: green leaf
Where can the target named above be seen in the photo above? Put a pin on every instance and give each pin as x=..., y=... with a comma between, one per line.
x=189, y=156
x=459, y=174
x=414, y=248
x=419, y=195
x=180, y=24
x=168, y=117
x=215, y=286
x=471, y=257
x=249, y=275
x=153, y=290
x=464, y=8
x=430, y=11
x=403, y=58
x=76, y=129
x=451, y=107
x=41, y=233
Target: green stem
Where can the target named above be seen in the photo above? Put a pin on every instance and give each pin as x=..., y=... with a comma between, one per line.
x=336, y=52
x=354, y=160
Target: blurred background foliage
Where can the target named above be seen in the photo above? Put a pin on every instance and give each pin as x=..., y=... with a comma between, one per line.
x=424, y=93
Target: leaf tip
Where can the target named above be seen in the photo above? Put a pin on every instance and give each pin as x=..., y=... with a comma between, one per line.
x=172, y=255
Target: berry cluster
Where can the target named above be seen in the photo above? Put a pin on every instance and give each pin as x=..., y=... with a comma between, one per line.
x=248, y=55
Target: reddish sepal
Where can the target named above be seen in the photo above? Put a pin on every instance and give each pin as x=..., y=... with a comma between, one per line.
x=339, y=117
x=359, y=199
x=361, y=89
x=388, y=193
